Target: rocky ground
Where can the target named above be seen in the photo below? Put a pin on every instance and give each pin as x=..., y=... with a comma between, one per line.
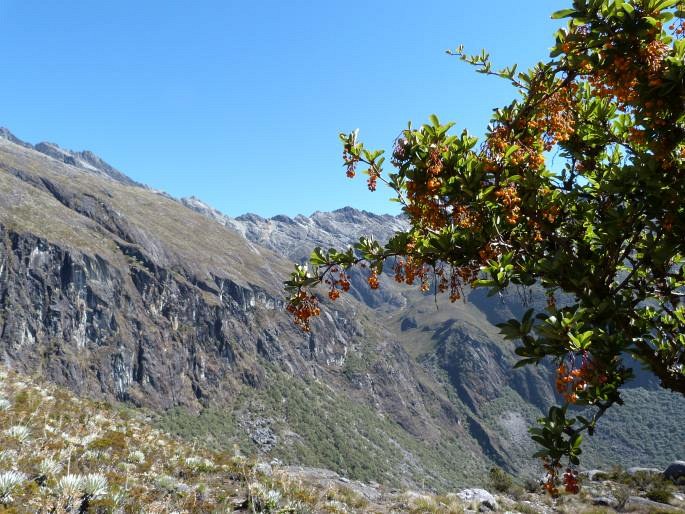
x=62, y=454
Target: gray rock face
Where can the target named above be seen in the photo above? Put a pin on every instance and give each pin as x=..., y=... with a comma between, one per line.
x=637, y=502
x=408, y=323
x=676, y=471
x=480, y=496
x=119, y=292
x=6, y=134
x=594, y=474
x=259, y=430
x=646, y=471
x=329, y=479
x=605, y=501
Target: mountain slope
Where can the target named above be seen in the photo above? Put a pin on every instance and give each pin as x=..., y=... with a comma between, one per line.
x=123, y=293
x=458, y=345
x=119, y=292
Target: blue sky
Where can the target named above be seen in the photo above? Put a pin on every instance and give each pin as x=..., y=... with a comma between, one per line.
x=241, y=103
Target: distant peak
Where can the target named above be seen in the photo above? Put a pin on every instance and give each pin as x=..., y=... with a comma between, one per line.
x=5, y=133
x=250, y=216
x=351, y=213
x=348, y=209
x=282, y=218
x=85, y=160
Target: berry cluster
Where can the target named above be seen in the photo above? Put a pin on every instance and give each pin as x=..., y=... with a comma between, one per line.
x=570, y=480
x=305, y=306
x=337, y=281
x=372, y=181
x=555, y=116
x=550, y=483
x=373, y=280
x=572, y=382
x=349, y=160
x=509, y=198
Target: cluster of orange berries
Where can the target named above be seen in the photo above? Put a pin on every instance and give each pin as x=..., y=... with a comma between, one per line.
x=458, y=276
x=550, y=484
x=527, y=154
x=550, y=213
x=536, y=229
x=468, y=273
x=435, y=164
x=625, y=71
x=409, y=270
x=488, y=252
x=497, y=143
x=306, y=306
x=509, y=197
x=464, y=216
x=555, y=116
x=570, y=480
x=337, y=281
x=373, y=280
x=371, y=182
x=350, y=161
x=424, y=205
x=572, y=382
x=678, y=29
x=425, y=210
x=654, y=55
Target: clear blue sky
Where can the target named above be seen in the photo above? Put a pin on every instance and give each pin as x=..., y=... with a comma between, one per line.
x=240, y=103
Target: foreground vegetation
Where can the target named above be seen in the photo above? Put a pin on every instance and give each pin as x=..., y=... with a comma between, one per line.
x=62, y=454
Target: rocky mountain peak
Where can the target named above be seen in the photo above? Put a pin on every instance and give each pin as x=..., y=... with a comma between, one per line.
x=6, y=134
x=84, y=160
x=284, y=234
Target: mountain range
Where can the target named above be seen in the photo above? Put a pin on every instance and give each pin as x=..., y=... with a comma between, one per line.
x=124, y=294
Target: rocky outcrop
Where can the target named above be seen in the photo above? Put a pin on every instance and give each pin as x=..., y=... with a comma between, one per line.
x=139, y=333
x=479, y=498
x=676, y=471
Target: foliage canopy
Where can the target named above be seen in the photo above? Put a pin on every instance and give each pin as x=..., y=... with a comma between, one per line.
x=578, y=187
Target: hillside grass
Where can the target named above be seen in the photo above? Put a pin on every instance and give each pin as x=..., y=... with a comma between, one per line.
x=62, y=454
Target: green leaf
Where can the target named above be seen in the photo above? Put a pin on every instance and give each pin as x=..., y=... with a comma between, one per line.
x=317, y=258
x=510, y=151
x=577, y=442
x=563, y=13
